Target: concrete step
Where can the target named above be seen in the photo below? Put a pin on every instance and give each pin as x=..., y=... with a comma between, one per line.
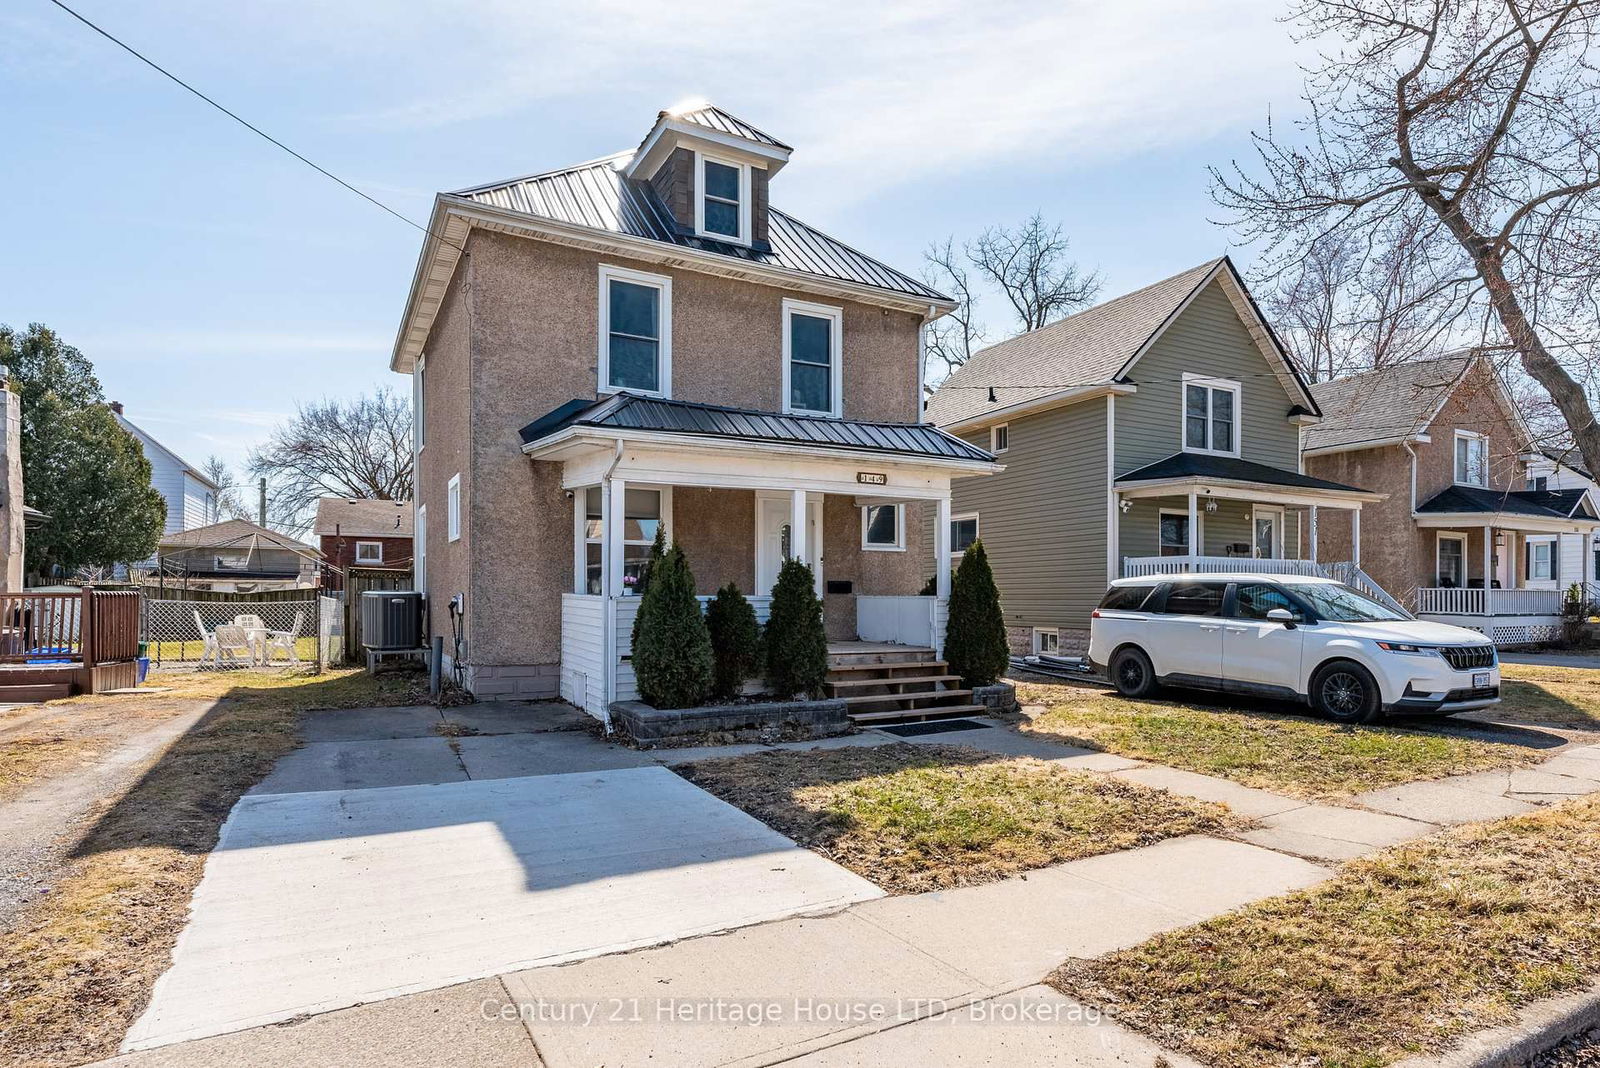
x=895, y=680
x=916, y=714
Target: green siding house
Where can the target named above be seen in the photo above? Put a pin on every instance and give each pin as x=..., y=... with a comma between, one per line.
x=1155, y=433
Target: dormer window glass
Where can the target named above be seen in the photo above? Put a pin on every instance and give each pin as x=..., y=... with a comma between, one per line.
x=722, y=209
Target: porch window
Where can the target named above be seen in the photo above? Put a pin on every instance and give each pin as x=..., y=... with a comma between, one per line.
x=963, y=532
x=641, y=517
x=1210, y=415
x=723, y=210
x=635, y=332
x=812, y=335
x=369, y=552
x=1452, y=560
x=883, y=528
x=1174, y=534
x=1541, y=560
x=1472, y=459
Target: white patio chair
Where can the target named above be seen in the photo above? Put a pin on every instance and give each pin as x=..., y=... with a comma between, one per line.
x=208, y=640
x=250, y=622
x=283, y=641
x=228, y=642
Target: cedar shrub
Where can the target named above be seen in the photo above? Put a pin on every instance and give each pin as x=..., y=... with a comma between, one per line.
x=735, y=641
x=797, y=642
x=671, y=646
x=975, y=635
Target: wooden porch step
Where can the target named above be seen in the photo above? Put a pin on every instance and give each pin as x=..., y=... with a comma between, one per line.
x=895, y=679
x=904, y=665
x=44, y=691
x=912, y=695
x=914, y=714
x=878, y=657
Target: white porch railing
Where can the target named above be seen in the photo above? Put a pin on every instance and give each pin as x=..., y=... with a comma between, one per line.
x=1134, y=566
x=915, y=621
x=1460, y=601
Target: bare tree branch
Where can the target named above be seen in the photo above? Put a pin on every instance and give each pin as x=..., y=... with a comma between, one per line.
x=1030, y=267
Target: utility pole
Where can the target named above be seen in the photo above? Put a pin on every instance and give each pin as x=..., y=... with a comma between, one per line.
x=263, y=508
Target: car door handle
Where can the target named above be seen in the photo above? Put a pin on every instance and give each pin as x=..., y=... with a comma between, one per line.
x=1211, y=626
x=1238, y=630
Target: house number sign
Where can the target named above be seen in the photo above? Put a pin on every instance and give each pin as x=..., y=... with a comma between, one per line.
x=872, y=478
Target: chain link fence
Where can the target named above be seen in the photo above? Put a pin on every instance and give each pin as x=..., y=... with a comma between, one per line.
x=223, y=634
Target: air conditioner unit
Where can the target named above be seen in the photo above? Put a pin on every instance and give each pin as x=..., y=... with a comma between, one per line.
x=391, y=619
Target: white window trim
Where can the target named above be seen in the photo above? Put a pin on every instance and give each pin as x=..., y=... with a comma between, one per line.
x=583, y=541
x=1455, y=467
x=419, y=557
x=1531, y=540
x=836, y=389
x=745, y=190
x=661, y=282
x=994, y=438
x=419, y=415
x=1451, y=535
x=452, y=508
x=378, y=545
x=1190, y=379
x=977, y=531
x=1276, y=512
x=899, y=545
x=1194, y=536
x=1038, y=644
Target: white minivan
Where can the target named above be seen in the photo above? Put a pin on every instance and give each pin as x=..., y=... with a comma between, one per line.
x=1311, y=640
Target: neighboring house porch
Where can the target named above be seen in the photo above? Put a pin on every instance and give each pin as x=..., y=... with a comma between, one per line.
x=866, y=505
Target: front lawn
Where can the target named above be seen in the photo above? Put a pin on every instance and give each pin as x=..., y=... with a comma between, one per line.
x=926, y=817
x=76, y=966
x=1398, y=955
x=1546, y=694
x=1264, y=747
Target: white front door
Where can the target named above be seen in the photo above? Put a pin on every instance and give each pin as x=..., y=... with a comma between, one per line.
x=772, y=541
x=1268, y=544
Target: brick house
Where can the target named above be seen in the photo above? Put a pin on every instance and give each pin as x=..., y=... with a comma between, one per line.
x=644, y=341
x=362, y=533
x=1460, y=537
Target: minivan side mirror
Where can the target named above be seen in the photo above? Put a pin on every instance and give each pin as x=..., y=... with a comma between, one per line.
x=1281, y=615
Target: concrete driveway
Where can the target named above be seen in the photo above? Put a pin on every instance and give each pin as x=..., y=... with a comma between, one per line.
x=382, y=859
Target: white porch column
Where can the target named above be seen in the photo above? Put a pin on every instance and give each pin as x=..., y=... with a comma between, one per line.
x=1514, y=580
x=1355, y=536
x=797, y=525
x=1488, y=567
x=580, y=555
x=1311, y=533
x=612, y=512
x=1194, y=530
x=941, y=549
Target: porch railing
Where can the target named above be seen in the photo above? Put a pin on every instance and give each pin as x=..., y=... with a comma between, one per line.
x=1135, y=566
x=914, y=621
x=1466, y=601
x=87, y=627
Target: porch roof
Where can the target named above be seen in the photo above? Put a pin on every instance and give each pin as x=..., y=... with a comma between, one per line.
x=1182, y=466
x=628, y=412
x=1567, y=505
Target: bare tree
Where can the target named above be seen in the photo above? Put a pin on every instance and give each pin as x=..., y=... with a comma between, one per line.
x=230, y=496
x=951, y=339
x=1029, y=266
x=358, y=448
x=1454, y=145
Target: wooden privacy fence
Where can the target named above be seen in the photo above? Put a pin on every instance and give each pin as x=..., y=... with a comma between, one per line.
x=359, y=580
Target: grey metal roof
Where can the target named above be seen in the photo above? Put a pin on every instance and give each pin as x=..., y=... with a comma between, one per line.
x=1382, y=405
x=1086, y=349
x=1230, y=468
x=598, y=195
x=624, y=411
x=715, y=118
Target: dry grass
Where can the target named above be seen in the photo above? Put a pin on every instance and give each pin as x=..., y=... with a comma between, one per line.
x=1549, y=695
x=1268, y=749
x=77, y=966
x=926, y=817
x=1398, y=955
x=62, y=736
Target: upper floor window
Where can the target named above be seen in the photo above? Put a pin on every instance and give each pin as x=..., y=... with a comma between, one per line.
x=1472, y=459
x=369, y=552
x=1539, y=483
x=812, y=358
x=635, y=332
x=1210, y=415
x=1000, y=438
x=722, y=209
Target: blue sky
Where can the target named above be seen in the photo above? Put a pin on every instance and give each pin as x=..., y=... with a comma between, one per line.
x=216, y=282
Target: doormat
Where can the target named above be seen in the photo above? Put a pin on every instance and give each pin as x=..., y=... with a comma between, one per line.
x=940, y=726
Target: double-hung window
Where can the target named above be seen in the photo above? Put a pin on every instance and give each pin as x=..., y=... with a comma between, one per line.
x=963, y=532
x=641, y=516
x=1472, y=459
x=1541, y=559
x=722, y=210
x=1000, y=438
x=635, y=332
x=813, y=337
x=1210, y=415
x=369, y=552
x=883, y=528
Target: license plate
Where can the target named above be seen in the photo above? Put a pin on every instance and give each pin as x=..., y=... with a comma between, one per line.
x=1480, y=678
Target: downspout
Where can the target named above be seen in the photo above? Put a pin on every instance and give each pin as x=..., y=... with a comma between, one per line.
x=1412, y=595
x=608, y=632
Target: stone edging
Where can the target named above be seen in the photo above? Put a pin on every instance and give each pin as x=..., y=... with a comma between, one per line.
x=1540, y=1026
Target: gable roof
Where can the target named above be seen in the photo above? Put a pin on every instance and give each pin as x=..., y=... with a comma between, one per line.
x=714, y=118
x=1094, y=347
x=145, y=439
x=355, y=517
x=624, y=411
x=234, y=534
x=1386, y=406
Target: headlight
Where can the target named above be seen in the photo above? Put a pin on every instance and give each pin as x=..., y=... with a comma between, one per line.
x=1403, y=647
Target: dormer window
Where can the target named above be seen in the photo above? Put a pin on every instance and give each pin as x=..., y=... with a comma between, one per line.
x=722, y=209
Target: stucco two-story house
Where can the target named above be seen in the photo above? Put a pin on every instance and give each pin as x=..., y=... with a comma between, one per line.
x=646, y=341
x=1154, y=433
x=1465, y=539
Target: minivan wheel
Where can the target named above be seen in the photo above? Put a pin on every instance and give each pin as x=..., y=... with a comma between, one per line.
x=1346, y=693
x=1132, y=674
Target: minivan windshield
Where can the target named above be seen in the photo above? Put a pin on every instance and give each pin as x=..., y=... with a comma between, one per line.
x=1339, y=603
